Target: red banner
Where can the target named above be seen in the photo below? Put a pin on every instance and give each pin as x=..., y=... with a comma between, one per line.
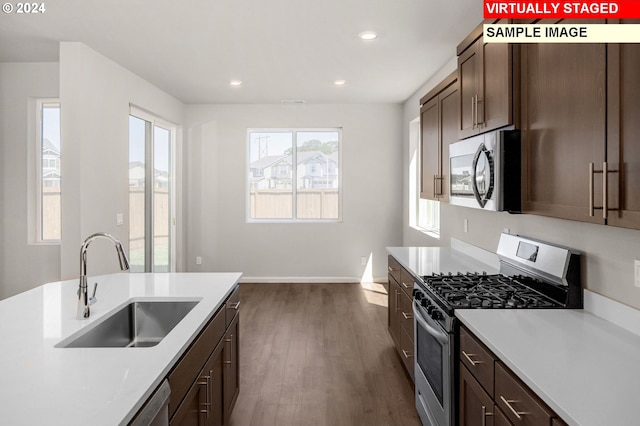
x=519, y=9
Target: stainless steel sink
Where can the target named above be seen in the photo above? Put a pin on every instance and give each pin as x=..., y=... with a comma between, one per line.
x=135, y=325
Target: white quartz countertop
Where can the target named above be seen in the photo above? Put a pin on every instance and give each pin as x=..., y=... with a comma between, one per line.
x=44, y=385
x=585, y=368
x=430, y=260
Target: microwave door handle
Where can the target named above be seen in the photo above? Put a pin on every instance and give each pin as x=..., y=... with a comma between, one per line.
x=474, y=173
x=441, y=337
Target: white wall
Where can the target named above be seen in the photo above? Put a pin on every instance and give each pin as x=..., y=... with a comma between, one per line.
x=608, y=252
x=95, y=93
x=22, y=265
x=215, y=193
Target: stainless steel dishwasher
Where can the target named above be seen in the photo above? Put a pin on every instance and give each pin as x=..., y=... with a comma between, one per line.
x=155, y=412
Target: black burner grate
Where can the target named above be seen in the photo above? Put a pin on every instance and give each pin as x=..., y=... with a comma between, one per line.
x=488, y=291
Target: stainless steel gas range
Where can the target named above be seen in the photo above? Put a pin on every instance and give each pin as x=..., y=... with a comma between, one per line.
x=533, y=275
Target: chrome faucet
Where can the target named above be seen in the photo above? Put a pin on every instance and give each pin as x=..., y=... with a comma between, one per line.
x=83, y=299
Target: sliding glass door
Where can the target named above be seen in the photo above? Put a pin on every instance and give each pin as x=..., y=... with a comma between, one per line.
x=150, y=193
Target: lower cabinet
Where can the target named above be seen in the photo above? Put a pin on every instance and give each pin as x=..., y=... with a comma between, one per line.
x=205, y=381
x=231, y=372
x=498, y=399
x=401, y=313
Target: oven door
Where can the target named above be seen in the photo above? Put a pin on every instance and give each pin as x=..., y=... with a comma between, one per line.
x=433, y=370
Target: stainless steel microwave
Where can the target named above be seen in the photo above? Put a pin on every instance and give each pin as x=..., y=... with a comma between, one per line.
x=485, y=171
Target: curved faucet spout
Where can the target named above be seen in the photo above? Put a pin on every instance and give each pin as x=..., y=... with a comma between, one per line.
x=83, y=299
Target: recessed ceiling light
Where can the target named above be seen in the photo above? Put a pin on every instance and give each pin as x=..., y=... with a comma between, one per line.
x=235, y=83
x=339, y=82
x=368, y=35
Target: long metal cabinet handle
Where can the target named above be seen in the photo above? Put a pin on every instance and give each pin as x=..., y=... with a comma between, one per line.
x=435, y=191
x=478, y=122
x=407, y=316
x=229, y=340
x=605, y=189
x=485, y=413
x=591, y=172
x=406, y=354
x=405, y=285
x=235, y=306
x=508, y=402
x=206, y=382
x=468, y=357
x=397, y=292
x=473, y=114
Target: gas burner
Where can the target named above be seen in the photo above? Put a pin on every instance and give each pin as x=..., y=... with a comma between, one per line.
x=485, y=291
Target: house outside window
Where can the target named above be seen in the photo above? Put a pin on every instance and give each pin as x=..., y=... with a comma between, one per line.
x=48, y=160
x=294, y=175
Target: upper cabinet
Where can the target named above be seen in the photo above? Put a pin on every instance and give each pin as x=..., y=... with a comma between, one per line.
x=438, y=129
x=485, y=78
x=563, y=89
x=623, y=128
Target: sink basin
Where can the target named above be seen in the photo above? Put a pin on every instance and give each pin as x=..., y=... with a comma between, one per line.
x=135, y=325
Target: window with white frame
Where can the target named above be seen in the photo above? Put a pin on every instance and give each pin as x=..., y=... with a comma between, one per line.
x=424, y=215
x=48, y=175
x=294, y=175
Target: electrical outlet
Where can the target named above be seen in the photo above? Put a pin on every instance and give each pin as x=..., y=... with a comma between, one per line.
x=506, y=231
x=119, y=219
x=466, y=225
x=363, y=261
x=198, y=260
x=636, y=267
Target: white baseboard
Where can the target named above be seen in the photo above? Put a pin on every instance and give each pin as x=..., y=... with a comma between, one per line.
x=610, y=310
x=308, y=280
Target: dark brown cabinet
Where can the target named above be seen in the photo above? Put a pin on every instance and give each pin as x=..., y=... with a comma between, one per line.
x=438, y=129
x=401, y=313
x=563, y=90
x=231, y=372
x=623, y=128
x=205, y=381
x=490, y=394
x=202, y=404
x=485, y=78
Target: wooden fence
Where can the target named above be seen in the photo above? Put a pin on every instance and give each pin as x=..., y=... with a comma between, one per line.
x=278, y=204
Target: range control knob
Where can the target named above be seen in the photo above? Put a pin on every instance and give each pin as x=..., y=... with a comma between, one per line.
x=430, y=309
x=436, y=315
x=425, y=302
x=416, y=291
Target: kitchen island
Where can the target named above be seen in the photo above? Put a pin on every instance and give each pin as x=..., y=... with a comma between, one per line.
x=45, y=384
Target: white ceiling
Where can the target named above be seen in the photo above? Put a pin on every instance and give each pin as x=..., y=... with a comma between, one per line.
x=280, y=49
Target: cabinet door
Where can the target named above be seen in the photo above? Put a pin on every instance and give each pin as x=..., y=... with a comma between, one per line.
x=213, y=374
x=469, y=80
x=394, y=310
x=231, y=372
x=563, y=127
x=192, y=410
x=476, y=406
x=449, y=103
x=430, y=151
x=495, y=107
x=623, y=149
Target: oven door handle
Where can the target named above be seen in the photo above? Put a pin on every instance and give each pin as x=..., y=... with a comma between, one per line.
x=441, y=337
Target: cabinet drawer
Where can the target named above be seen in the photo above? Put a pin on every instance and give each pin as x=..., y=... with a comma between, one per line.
x=188, y=368
x=478, y=360
x=406, y=313
x=232, y=306
x=406, y=352
x=517, y=402
x=406, y=282
x=394, y=269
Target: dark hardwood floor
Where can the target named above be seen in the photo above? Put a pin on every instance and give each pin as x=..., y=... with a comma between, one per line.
x=319, y=354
